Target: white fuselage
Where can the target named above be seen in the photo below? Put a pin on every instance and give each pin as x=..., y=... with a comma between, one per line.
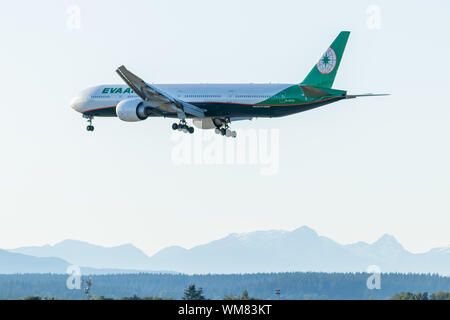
x=107, y=96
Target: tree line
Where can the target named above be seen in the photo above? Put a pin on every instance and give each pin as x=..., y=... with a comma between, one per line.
x=192, y=293
x=293, y=285
x=441, y=295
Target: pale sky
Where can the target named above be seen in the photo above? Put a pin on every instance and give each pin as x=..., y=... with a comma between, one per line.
x=352, y=170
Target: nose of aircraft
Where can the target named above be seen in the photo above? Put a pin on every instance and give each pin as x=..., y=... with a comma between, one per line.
x=76, y=103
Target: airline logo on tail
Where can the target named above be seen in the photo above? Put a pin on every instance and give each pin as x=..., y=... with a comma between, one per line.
x=328, y=62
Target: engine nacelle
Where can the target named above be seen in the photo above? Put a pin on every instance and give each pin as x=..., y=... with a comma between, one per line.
x=132, y=110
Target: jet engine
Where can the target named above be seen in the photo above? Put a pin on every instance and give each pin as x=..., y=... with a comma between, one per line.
x=132, y=110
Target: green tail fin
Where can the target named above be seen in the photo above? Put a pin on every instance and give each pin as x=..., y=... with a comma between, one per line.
x=324, y=72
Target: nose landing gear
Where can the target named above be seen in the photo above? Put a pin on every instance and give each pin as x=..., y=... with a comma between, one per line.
x=182, y=126
x=90, y=127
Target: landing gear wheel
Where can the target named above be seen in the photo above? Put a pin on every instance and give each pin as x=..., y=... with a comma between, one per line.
x=90, y=127
x=182, y=126
x=225, y=131
x=230, y=133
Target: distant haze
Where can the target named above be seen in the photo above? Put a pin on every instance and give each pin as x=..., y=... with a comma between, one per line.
x=262, y=251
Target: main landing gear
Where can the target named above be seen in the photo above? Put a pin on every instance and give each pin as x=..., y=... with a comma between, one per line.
x=182, y=126
x=222, y=127
x=90, y=127
x=225, y=131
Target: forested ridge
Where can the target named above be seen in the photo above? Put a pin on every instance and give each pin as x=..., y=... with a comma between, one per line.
x=293, y=285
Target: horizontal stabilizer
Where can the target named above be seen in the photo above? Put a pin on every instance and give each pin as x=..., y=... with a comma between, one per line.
x=353, y=96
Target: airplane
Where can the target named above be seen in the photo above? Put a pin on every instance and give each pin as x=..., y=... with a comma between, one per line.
x=215, y=106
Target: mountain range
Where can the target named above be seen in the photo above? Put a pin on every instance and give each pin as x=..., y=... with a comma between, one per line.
x=12, y=263
x=261, y=251
x=82, y=253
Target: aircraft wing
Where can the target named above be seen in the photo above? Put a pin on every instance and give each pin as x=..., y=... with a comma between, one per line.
x=156, y=98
